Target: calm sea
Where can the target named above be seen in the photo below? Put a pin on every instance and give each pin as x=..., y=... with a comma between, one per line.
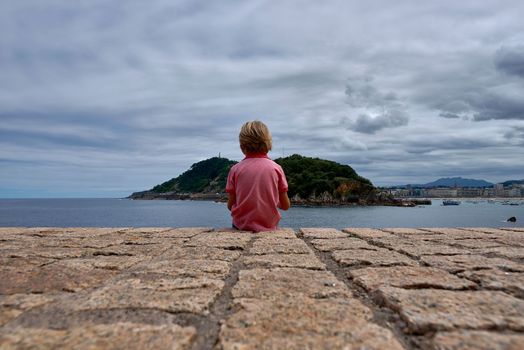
x=129, y=213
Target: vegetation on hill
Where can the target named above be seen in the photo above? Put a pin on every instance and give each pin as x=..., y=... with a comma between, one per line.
x=314, y=178
x=209, y=175
x=311, y=180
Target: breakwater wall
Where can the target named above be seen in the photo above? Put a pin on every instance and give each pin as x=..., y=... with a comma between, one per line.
x=315, y=288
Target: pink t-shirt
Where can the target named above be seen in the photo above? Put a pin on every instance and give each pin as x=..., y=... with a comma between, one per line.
x=256, y=181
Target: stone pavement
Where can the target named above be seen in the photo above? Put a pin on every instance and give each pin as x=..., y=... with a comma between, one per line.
x=318, y=288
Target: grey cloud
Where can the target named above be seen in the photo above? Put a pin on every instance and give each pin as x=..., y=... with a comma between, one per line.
x=369, y=125
x=510, y=60
x=449, y=115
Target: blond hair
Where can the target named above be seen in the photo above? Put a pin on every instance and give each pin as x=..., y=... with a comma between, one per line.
x=255, y=137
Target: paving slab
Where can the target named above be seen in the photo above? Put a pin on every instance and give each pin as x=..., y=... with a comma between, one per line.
x=499, y=280
x=378, y=257
x=229, y=240
x=303, y=324
x=404, y=231
x=57, y=276
x=514, y=229
x=322, y=233
x=281, y=283
x=193, y=295
x=185, y=268
x=445, y=230
x=506, y=252
x=271, y=245
x=428, y=310
x=409, y=277
x=329, y=245
x=201, y=253
x=305, y=261
x=280, y=233
x=427, y=248
x=478, y=340
x=486, y=231
x=11, y=306
x=476, y=243
x=366, y=232
x=102, y=336
x=459, y=263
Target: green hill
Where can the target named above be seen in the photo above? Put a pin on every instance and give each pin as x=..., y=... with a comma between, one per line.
x=311, y=180
x=209, y=175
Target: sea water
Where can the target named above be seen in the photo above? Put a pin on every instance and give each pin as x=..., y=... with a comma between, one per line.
x=155, y=213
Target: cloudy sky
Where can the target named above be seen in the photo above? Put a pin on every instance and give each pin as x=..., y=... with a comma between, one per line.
x=100, y=99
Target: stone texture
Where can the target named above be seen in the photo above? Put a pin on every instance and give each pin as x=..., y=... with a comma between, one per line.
x=13, y=305
x=329, y=245
x=303, y=324
x=229, y=240
x=114, y=336
x=186, y=268
x=280, y=233
x=305, y=261
x=427, y=310
x=478, y=340
x=286, y=282
x=193, y=295
x=476, y=243
x=409, y=277
x=427, y=248
x=404, y=231
x=366, y=232
x=58, y=276
x=320, y=233
x=279, y=246
x=445, y=230
x=495, y=279
x=378, y=257
x=201, y=253
x=513, y=229
x=506, y=252
x=458, y=263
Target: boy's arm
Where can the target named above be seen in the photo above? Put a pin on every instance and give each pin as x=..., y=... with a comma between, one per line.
x=283, y=200
x=231, y=200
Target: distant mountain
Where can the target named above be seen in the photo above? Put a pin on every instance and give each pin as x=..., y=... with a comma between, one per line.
x=453, y=182
x=513, y=182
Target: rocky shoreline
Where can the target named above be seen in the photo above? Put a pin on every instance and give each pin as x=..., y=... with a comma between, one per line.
x=297, y=202
x=317, y=288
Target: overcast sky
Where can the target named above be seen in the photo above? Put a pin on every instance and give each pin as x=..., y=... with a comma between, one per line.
x=100, y=99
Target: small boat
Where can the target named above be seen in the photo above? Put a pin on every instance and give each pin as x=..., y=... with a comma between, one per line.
x=450, y=202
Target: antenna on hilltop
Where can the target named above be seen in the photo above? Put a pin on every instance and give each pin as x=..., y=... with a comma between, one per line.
x=218, y=154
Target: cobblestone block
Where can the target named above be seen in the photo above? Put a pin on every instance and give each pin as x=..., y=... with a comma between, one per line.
x=478, y=340
x=329, y=245
x=506, y=252
x=427, y=310
x=11, y=306
x=320, y=233
x=495, y=279
x=113, y=336
x=186, y=268
x=378, y=257
x=303, y=323
x=281, y=283
x=279, y=246
x=409, y=277
x=404, y=231
x=305, y=261
x=280, y=233
x=193, y=295
x=229, y=240
x=366, y=232
x=458, y=263
x=200, y=253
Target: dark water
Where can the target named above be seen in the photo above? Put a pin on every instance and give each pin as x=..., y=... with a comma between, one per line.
x=121, y=212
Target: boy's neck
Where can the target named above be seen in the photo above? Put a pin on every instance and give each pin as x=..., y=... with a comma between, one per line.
x=256, y=155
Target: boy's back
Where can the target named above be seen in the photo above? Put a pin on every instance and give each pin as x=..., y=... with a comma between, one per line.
x=256, y=182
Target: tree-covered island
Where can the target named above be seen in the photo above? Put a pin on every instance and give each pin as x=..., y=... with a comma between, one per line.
x=312, y=181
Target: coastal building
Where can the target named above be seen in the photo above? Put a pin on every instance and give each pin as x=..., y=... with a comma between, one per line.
x=442, y=192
